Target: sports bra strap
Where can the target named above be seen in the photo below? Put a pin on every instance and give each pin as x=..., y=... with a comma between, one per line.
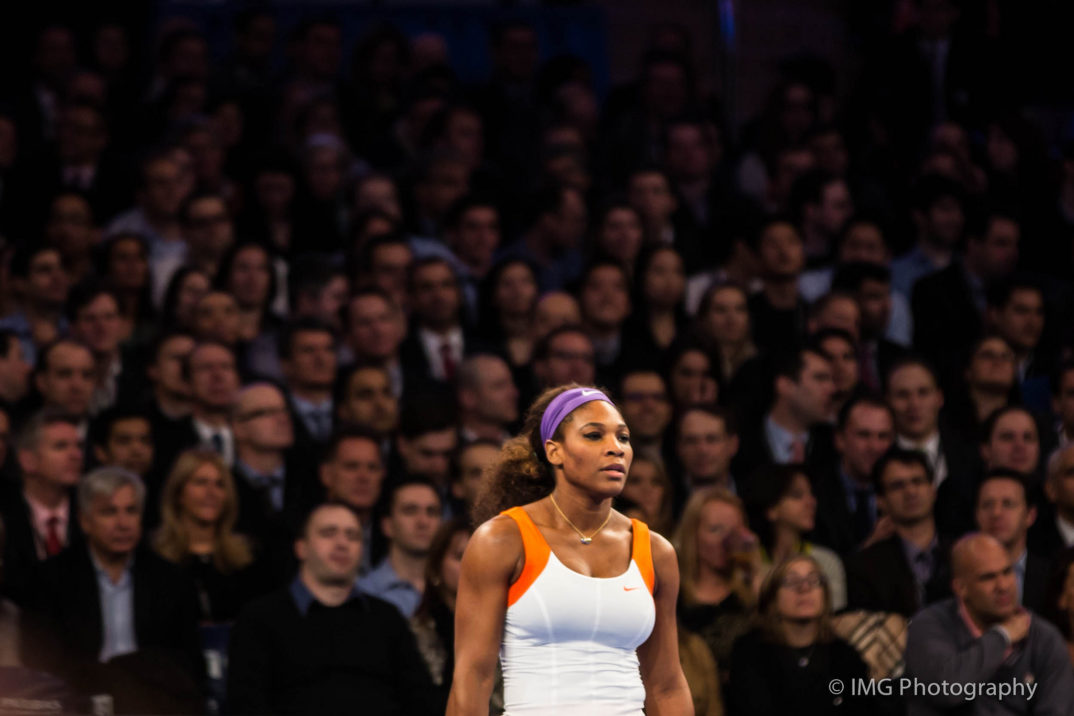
x=535, y=553
x=642, y=552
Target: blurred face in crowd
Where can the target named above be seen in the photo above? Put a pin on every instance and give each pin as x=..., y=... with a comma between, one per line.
x=46, y=280
x=605, y=298
x=727, y=319
x=204, y=496
x=646, y=487
x=719, y=522
x=274, y=192
x=216, y=318
x=874, y=303
x=944, y=221
x=377, y=192
x=354, y=474
x=476, y=238
x=554, y=310
x=446, y=183
x=209, y=230
x=650, y=193
x=908, y=494
x=330, y=550
x=810, y=397
x=621, y=234
x=473, y=460
x=251, y=277
x=830, y=151
x=781, y=252
x=646, y=405
x=705, y=447
x=113, y=523
x=1014, y=443
x=214, y=381
x=166, y=372
x=163, y=191
x=665, y=89
x=691, y=379
x=492, y=396
x=1002, y=511
x=992, y=367
x=375, y=327
x=864, y=242
x=566, y=226
x=1059, y=487
x=435, y=299
x=835, y=208
x=99, y=326
x=1021, y=320
x=129, y=445
x=465, y=134
x=262, y=420
x=664, y=283
x=312, y=363
x=842, y=313
x=412, y=521
x=324, y=172
x=801, y=594
x=369, y=402
x=68, y=378
x=128, y=264
x=571, y=359
x=56, y=459
x=516, y=291
x=996, y=254
x=868, y=433
x=916, y=401
x=69, y=226
x=14, y=372
x=690, y=155
x=1063, y=400
x=388, y=267
x=429, y=454
x=194, y=286
x=844, y=362
x=984, y=580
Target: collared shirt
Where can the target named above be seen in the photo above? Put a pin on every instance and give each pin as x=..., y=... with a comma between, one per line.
x=1020, y=573
x=40, y=515
x=117, y=611
x=931, y=447
x=207, y=433
x=781, y=441
x=1066, y=531
x=304, y=598
x=432, y=344
x=851, y=488
x=316, y=417
x=922, y=562
x=384, y=583
x=976, y=632
x=270, y=484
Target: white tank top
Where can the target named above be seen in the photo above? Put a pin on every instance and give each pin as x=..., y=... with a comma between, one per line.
x=569, y=640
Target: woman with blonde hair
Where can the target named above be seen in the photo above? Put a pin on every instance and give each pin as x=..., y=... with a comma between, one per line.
x=199, y=507
x=788, y=660
x=720, y=569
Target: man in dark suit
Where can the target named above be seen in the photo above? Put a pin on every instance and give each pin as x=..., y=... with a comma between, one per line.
x=308, y=359
x=437, y=342
x=41, y=517
x=794, y=429
x=119, y=619
x=909, y=569
x=870, y=284
x=1054, y=529
x=846, y=500
x=1003, y=511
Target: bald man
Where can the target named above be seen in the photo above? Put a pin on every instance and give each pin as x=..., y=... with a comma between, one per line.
x=982, y=636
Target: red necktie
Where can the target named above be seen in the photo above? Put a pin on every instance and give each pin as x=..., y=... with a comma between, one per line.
x=448, y=359
x=53, y=544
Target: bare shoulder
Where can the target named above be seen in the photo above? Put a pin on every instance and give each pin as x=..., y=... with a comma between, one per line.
x=663, y=551
x=495, y=544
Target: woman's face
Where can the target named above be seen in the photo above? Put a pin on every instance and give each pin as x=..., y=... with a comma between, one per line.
x=798, y=508
x=194, y=287
x=691, y=379
x=251, y=277
x=604, y=297
x=204, y=495
x=645, y=488
x=621, y=234
x=718, y=522
x=665, y=280
x=516, y=290
x=728, y=317
x=128, y=265
x=452, y=564
x=595, y=452
x=801, y=593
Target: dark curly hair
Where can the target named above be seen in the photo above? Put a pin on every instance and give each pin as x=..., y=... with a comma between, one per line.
x=522, y=474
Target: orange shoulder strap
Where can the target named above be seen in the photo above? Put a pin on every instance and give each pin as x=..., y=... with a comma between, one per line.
x=535, y=554
x=643, y=553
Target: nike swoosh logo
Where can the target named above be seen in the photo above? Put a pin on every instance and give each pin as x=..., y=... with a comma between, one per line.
x=591, y=392
x=630, y=589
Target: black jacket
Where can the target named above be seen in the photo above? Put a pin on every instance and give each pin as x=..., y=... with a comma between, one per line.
x=21, y=562
x=879, y=579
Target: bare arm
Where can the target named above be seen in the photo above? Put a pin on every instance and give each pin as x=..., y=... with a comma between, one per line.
x=666, y=691
x=491, y=560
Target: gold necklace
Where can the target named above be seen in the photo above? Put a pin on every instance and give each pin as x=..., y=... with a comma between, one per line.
x=585, y=540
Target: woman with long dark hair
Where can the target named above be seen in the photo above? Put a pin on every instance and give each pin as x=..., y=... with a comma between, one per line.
x=564, y=585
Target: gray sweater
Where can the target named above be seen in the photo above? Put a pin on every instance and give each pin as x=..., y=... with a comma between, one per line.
x=940, y=648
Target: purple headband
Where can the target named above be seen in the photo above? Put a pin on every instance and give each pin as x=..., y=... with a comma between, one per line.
x=563, y=405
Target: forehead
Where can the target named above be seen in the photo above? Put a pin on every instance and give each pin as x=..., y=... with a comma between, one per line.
x=131, y=423
x=369, y=378
x=203, y=354
x=68, y=353
x=697, y=421
x=897, y=469
x=333, y=515
x=1001, y=488
x=912, y=376
x=868, y=415
x=217, y=300
x=1015, y=420
x=420, y=494
x=260, y=395
x=360, y=448
x=570, y=340
x=836, y=344
x=478, y=454
x=435, y=271
x=636, y=381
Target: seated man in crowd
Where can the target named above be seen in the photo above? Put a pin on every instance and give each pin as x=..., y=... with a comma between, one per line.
x=322, y=646
x=352, y=472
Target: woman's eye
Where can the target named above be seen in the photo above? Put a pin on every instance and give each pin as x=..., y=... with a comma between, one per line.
x=624, y=438
x=592, y=436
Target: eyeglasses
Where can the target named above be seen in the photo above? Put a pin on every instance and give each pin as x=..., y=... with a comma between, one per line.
x=796, y=583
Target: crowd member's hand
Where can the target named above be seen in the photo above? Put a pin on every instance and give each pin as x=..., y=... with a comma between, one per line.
x=1017, y=626
x=883, y=529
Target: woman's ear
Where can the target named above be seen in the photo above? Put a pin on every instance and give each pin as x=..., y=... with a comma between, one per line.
x=553, y=453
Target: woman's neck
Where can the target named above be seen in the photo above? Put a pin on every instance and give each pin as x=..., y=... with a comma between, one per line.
x=516, y=325
x=662, y=326
x=733, y=355
x=712, y=587
x=249, y=323
x=786, y=543
x=585, y=513
x=800, y=632
x=201, y=536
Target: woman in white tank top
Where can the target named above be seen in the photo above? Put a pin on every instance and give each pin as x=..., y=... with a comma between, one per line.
x=576, y=599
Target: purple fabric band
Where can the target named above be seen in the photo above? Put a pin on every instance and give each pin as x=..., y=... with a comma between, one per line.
x=563, y=405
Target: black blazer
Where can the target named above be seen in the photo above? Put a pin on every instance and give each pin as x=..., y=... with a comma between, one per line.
x=955, y=497
x=21, y=562
x=834, y=527
x=1035, y=584
x=754, y=450
x=172, y=438
x=879, y=578
x=946, y=320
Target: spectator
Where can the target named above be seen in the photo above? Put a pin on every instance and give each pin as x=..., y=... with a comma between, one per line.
x=553, y=241
x=14, y=369
x=1016, y=312
x=93, y=312
x=508, y=311
x=374, y=329
x=123, y=437
x=564, y=355
x=1055, y=532
x=1004, y=512
x=320, y=643
x=428, y=437
x=65, y=377
x=185, y=289
x=648, y=495
x=352, y=472
x=723, y=325
x=706, y=445
x=471, y=462
x=939, y=218
x=39, y=285
x=1010, y=440
x=690, y=375
x=990, y=384
x=646, y=407
x=156, y=214
x=437, y=342
x=1063, y=403
x=308, y=357
x=487, y=397
x=170, y=399
x=604, y=297
x=364, y=399
x=839, y=347
x=778, y=311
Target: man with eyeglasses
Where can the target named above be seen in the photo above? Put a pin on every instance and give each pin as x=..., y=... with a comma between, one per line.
x=566, y=355
x=909, y=569
x=644, y=400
